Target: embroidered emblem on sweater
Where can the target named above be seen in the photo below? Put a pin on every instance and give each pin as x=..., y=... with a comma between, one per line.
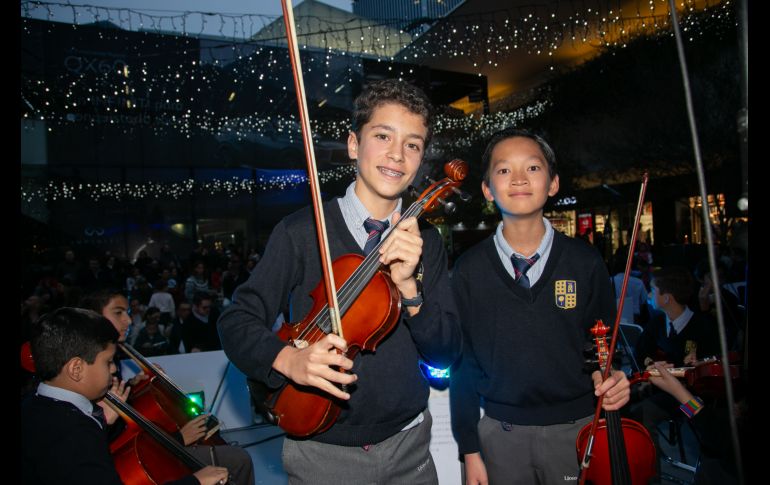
x=566, y=294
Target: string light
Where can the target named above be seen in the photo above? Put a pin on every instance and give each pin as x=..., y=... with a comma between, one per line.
x=233, y=187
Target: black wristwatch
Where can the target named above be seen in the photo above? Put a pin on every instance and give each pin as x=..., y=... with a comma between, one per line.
x=417, y=299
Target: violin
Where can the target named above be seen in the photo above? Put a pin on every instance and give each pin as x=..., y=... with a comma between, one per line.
x=370, y=307
x=705, y=378
x=614, y=436
x=604, y=442
x=144, y=454
x=161, y=401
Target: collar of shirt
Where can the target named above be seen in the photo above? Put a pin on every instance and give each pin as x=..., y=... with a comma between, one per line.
x=505, y=251
x=354, y=213
x=682, y=320
x=202, y=318
x=77, y=400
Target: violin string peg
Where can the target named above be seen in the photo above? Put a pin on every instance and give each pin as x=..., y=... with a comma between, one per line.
x=464, y=196
x=449, y=207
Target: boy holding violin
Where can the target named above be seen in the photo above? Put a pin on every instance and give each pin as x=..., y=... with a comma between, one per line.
x=677, y=337
x=382, y=434
x=527, y=297
x=63, y=431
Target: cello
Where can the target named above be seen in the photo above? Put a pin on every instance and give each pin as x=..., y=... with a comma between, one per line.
x=158, y=397
x=605, y=441
x=160, y=400
x=144, y=454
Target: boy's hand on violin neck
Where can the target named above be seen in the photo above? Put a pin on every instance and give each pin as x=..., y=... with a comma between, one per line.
x=616, y=389
x=401, y=252
x=310, y=366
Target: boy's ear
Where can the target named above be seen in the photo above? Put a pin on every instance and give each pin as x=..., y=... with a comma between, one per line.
x=554, y=187
x=352, y=146
x=74, y=368
x=487, y=192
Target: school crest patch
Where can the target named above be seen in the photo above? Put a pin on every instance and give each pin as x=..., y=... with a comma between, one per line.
x=565, y=292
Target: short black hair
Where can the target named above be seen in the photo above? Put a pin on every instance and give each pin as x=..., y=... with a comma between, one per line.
x=66, y=333
x=97, y=300
x=504, y=134
x=199, y=296
x=396, y=91
x=676, y=281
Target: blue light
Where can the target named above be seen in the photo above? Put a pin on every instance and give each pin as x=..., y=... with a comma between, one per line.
x=433, y=372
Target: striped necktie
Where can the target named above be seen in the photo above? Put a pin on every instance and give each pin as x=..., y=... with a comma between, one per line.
x=375, y=229
x=520, y=268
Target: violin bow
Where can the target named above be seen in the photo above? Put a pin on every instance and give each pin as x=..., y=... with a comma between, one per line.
x=585, y=462
x=312, y=170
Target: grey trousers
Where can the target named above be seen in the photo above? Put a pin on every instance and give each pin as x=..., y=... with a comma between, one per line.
x=529, y=455
x=404, y=458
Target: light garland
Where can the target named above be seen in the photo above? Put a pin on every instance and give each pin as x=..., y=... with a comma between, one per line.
x=484, y=38
x=195, y=92
x=53, y=191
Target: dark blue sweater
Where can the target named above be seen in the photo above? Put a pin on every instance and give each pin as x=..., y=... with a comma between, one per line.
x=390, y=390
x=60, y=444
x=523, y=348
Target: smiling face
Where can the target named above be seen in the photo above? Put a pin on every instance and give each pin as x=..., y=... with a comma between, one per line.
x=519, y=182
x=388, y=153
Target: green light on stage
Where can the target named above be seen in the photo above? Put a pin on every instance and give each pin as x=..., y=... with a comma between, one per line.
x=197, y=400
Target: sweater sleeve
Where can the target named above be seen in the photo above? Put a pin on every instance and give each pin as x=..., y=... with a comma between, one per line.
x=436, y=328
x=601, y=301
x=463, y=398
x=245, y=327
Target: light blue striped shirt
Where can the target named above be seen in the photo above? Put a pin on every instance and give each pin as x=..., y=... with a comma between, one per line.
x=354, y=213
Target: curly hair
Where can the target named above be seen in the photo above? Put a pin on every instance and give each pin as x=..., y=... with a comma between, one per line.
x=396, y=91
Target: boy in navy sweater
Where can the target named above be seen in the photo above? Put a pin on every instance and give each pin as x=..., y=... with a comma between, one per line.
x=63, y=435
x=383, y=432
x=526, y=297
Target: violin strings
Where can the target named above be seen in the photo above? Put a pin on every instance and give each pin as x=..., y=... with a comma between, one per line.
x=353, y=286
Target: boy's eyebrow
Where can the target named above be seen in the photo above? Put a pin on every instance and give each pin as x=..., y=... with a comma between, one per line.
x=532, y=157
x=390, y=128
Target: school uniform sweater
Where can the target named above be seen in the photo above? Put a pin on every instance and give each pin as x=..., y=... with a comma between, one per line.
x=390, y=390
x=523, y=357
x=657, y=344
x=60, y=444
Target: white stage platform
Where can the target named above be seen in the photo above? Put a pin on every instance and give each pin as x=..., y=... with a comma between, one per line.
x=209, y=372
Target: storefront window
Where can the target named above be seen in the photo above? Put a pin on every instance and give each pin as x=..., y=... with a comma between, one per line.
x=563, y=221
